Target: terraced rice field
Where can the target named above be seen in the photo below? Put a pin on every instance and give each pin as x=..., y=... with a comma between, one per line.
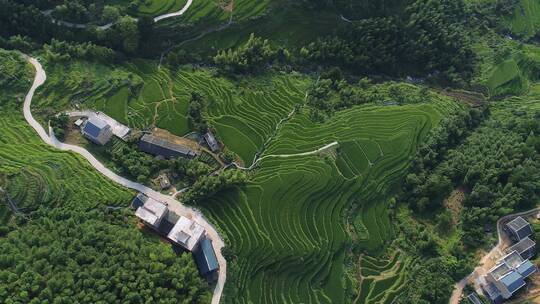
x=525, y=21
x=252, y=106
x=286, y=226
x=212, y=11
x=39, y=177
x=382, y=279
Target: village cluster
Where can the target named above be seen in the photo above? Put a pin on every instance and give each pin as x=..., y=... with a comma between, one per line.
x=510, y=272
x=181, y=231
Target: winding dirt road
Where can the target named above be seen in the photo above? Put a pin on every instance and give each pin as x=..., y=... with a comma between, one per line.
x=173, y=204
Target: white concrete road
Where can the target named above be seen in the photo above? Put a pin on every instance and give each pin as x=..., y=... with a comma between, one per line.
x=174, y=14
x=108, y=25
x=173, y=204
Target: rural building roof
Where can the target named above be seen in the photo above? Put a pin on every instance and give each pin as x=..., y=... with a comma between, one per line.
x=520, y=227
x=94, y=126
x=158, y=146
x=152, y=212
x=513, y=281
x=512, y=259
x=206, y=257
x=526, y=269
x=522, y=246
x=186, y=233
x=473, y=298
x=139, y=200
x=211, y=141
x=492, y=291
x=498, y=271
x=79, y=122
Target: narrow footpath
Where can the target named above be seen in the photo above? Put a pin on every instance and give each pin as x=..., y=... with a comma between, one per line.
x=172, y=203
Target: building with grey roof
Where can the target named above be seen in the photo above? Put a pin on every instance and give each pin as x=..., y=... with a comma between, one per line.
x=152, y=212
x=97, y=130
x=474, y=299
x=205, y=257
x=160, y=147
x=519, y=228
x=211, y=141
x=186, y=233
x=526, y=248
x=507, y=277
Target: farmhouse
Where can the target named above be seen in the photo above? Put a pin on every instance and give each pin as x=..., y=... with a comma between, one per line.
x=180, y=230
x=519, y=228
x=205, y=257
x=186, y=233
x=152, y=212
x=507, y=277
x=525, y=248
x=161, y=147
x=211, y=141
x=97, y=130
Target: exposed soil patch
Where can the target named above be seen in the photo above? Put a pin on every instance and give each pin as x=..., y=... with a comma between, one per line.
x=193, y=145
x=454, y=203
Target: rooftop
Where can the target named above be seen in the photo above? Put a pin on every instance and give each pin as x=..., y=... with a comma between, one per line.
x=152, y=212
x=526, y=269
x=156, y=141
x=473, y=298
x=492, y=291
x=513, y=259
x=517, y=224
x=206, y=257
x=186, y=233
x=211, y=141
x=513, y=281
x=498, y=271
x=93, y=126
x=522, y=246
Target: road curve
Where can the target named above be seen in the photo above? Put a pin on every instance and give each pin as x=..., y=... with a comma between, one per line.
x=173, y=204
x=108, y=25
x=458, y=288
x=174, y=14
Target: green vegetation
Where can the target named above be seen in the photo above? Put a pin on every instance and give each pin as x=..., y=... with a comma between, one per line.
x=287, y=222
x=59, y=240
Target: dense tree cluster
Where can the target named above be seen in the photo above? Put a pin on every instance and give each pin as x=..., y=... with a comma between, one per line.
x=499, y=164
x=255, y=55
x=63, y=51
x=429, y=38
x=332, y=93
x=14, y=73
x=135, y=163
x=206, y=186
x=195, y=114
x=59, y=124
x=423, y=190
x=91, y=256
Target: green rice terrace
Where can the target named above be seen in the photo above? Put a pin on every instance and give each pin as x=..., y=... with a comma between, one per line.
x=285, y=227
x=287, y=223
